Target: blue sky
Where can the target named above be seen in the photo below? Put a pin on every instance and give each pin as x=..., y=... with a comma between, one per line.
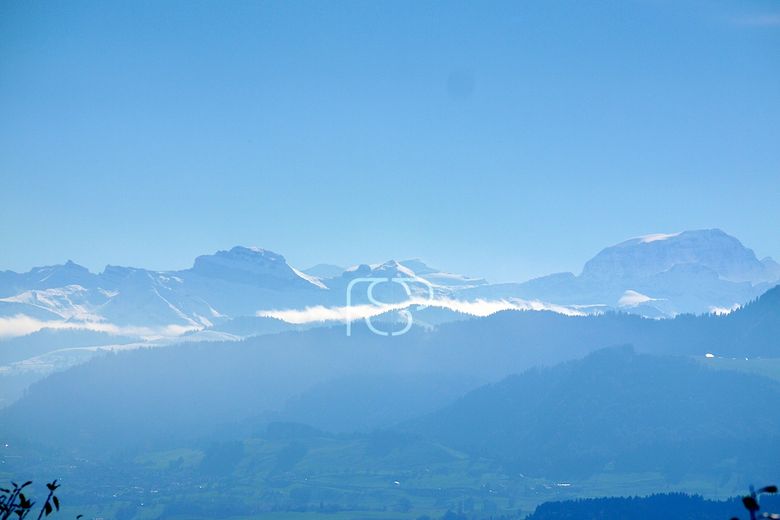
x=498, y=139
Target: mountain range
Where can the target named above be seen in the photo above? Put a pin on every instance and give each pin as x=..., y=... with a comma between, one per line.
x=655, y=276
x=56, y=316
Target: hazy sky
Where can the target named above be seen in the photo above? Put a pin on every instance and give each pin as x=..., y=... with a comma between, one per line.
x=498, y=139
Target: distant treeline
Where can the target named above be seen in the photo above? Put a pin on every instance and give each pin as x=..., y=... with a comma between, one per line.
x=672, y=506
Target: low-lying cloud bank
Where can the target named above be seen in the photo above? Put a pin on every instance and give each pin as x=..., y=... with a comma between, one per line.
x=21, y=325
x=479, y=308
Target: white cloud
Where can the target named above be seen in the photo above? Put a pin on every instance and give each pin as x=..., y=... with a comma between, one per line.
x=320, y=313
x=483, y=308
x=21, y=324
x=722, y=311
x=633, y=298
x=479, y=308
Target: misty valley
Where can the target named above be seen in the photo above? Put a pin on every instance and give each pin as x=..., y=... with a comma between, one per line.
x=517, y=412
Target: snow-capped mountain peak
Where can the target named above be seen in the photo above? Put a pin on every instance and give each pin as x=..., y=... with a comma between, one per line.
x=414, y=268
x=654, y=275
x=252, y=265
x=646, y=239
x=388, y=269
x=653, y=254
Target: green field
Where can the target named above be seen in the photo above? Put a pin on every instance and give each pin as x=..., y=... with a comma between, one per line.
x=768, y=367
x=324, y=476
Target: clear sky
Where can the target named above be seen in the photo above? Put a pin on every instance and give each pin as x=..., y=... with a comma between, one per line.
x=498, y=139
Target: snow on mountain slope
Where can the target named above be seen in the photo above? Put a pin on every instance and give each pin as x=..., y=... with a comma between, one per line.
x=690, y=271
x=656, y=276
x=47, y=277
x=253, y=266
x=400, y=281
x=650, y=255
x=323, y=271
x=241, y=280
x=441, y=278
x=71, y=302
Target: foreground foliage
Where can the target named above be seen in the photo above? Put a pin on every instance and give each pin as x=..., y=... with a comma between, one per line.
x=14, y=503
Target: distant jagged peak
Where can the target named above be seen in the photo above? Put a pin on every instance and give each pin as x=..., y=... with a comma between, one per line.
x=122, y=270
x=69, y=266
x=418, y=266
x=325, y=271
x=390, y=268
x=772, y=267
x=413, y=268
x=394, y=266
x=443, y=277
x=60, y=275
x=116, y=276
